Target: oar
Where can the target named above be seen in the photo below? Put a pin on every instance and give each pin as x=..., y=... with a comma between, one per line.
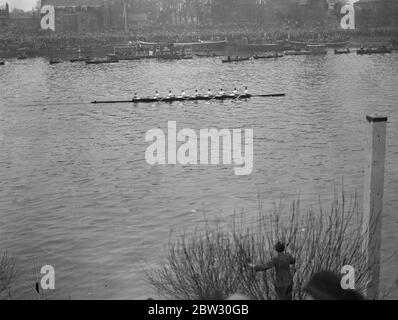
x=237, y=98
x=212, y=98
x=269, y=95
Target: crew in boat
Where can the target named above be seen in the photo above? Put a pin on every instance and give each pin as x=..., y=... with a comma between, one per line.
x=156, y=94
x=221, y=92
x=235, y=92
x=170, y=94
x=136, y=97
x=246, y=91
x=209, y=94
x=196, y=94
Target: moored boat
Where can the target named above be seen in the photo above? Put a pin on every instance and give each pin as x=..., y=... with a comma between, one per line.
x=205, y=54
x=267, y=56
x=342, y=51
x=55, y=61
x=374, y=50
x=175, y=57
x=303, y=44
x=337, y=44
x=235, y=59
x=317, y=49
x=79, y=59
x=110, y=58
x=296, y=52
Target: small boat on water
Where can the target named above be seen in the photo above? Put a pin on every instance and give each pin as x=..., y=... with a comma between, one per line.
x=297, y=52
x=317, y=49
x=80, y=59
x=22, y=53
x=303, y=44
x=374, y=50
x=342, y=51
x=55, y=61
x=130, y=58
x=205, y=54
x=22, y=56
x=337, y=44
x=267, y=56
x=2, y=63
x=110, y=58
x=235, y=59
x=175, y=57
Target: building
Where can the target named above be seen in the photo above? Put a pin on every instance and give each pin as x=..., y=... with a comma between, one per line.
x=376, y=13
x=4, y=15
x=263, y=11
x=185, y=12
x=78, y=15
x=18, y=19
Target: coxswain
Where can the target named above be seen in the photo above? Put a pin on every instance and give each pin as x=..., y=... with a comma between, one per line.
x=221, y=92
x=135, y=96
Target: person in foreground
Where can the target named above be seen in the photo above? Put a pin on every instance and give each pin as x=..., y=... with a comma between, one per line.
x=326, y=285
x=283, y=275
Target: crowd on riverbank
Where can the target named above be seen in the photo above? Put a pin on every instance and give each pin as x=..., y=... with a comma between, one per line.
x=12, y=40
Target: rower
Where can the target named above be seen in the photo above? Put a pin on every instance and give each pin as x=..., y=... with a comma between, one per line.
x=221, y=92
x=157, y=95
x=196, y=93
x=135, y=96
x=246, y=91
x=209, y=94
x=235, y=92
x=183, y=94
x=170, y=94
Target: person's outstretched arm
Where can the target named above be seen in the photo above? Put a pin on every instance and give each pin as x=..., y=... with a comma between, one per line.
x=264, y=267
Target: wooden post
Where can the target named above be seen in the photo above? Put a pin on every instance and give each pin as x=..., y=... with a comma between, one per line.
x=373, y=199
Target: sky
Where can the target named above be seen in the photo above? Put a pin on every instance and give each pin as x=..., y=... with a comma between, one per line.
x=20, y=4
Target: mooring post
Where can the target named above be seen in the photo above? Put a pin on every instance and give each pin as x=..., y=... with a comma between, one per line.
x=373, y=199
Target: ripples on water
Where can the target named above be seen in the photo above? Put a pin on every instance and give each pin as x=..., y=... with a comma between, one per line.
x=77, y=193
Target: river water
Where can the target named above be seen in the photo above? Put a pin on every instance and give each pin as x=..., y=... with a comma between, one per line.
x=77, y=193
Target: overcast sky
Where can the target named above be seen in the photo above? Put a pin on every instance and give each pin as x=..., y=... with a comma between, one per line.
x=20, y=4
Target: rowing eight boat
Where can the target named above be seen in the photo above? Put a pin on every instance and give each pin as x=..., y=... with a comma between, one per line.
x=198, y=98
